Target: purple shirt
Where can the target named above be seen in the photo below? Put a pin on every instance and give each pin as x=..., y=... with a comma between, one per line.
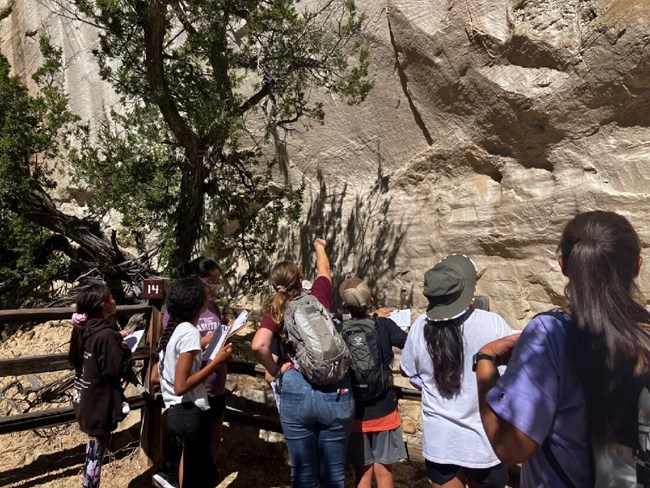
x=540, y=396
x=210, y=321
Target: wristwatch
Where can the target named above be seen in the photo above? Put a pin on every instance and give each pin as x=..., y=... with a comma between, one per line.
x=478, y=356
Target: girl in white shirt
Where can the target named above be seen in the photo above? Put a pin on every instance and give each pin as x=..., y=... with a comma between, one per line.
x=181, y=381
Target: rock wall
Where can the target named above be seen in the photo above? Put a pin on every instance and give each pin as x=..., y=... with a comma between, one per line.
x=492, y=122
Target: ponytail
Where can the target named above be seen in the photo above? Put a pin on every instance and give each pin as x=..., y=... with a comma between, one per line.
x=608, y=343
x=89, y=303
x=285, y=279
x=445, y=344
x=75, y=353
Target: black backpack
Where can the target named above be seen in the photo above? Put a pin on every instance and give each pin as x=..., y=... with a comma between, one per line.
x=369, y=376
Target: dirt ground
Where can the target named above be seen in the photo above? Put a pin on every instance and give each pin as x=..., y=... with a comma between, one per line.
x=53, y=457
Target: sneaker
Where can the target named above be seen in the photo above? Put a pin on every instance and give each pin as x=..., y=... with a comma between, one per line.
x=162, y=480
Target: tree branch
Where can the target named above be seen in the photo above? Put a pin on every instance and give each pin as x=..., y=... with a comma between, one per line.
x=254, y=99
x=153, y=14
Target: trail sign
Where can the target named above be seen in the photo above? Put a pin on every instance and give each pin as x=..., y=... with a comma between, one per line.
x=153, y=289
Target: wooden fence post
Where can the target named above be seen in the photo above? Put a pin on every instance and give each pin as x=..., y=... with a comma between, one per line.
x=151, y=430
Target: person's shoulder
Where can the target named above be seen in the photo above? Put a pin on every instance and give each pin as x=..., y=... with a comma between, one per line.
x=385, y=321
x=268, y=323
x=322, y=290
x=479, y=313
x=321, y=283
x=212, y=309
x=550, y=325
x=485, y=317
x=384, y=325
x=186, y=329
x=419, y=323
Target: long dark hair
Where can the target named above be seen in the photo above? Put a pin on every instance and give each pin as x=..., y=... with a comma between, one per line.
x=446, y=347
x=608, y=343
x=89, y=302
x=184, y=301
x=285, y=279
x=201, y=267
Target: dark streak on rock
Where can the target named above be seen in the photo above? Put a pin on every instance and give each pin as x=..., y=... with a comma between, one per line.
x=6, y=12
x=404, y=82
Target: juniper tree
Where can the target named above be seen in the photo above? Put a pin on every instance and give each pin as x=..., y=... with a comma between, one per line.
x=206, y=89
x=39, y=242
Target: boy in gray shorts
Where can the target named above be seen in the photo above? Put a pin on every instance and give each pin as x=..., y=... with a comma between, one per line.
x=376, y=441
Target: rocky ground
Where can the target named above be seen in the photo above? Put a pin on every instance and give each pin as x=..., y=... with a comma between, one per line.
x=53, y=456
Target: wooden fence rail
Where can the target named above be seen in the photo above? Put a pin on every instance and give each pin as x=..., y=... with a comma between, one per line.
x=61, y=313
x=150, y=441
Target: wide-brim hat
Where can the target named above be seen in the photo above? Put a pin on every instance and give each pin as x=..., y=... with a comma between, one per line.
x=450, y=287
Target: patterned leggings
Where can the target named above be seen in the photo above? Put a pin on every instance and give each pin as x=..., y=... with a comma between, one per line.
x=95, y=449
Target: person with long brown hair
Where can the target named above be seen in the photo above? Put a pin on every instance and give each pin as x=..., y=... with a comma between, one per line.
x=573, y=373
x=316, y=420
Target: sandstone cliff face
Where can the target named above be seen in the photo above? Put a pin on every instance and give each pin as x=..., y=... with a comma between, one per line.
x=492, y=122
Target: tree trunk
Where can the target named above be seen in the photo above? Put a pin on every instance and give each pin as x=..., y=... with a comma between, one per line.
x=191, y=214
x=38, y=209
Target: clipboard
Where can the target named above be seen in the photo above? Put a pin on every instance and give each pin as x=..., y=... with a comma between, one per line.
x=223, y=333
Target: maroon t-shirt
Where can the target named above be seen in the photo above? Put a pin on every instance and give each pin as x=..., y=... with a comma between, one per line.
x=321, y=289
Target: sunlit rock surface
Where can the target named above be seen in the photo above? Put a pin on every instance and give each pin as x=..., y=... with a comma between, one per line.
x=492, y=122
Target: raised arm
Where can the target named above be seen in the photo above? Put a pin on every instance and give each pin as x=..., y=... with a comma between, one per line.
x=322, y=261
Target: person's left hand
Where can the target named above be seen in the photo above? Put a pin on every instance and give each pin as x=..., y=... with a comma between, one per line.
x=501, y=349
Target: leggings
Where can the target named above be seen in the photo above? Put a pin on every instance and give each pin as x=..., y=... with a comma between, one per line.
x=192, y=426
x=95, y=449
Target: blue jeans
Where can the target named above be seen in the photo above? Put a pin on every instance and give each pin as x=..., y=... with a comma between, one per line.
x=316, y=421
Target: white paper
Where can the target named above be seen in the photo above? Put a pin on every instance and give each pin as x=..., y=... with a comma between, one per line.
x=401, y=318
x=133, y=339
x=222, y=333
x=275, y=387
x=238, y=323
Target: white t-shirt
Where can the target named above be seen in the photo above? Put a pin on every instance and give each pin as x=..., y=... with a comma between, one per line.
x=452, y=428
x=186, y=338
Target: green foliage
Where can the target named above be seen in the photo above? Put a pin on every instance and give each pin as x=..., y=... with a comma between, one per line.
x=207, y=88
x=31, y=132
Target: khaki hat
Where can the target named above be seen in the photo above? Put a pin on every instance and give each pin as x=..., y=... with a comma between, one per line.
x=450, y=287
x=355, y=293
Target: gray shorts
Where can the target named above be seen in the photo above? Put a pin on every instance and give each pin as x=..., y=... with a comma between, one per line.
x=386, y=447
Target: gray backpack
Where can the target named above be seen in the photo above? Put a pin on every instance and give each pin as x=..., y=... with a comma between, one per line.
x=316, y=347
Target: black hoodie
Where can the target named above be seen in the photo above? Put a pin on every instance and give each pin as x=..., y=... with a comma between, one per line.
x=97, y=397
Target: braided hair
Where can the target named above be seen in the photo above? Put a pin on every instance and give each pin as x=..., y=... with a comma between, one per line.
x=185, y=301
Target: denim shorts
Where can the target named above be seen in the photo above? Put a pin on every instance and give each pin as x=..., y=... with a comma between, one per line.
x=492, y=477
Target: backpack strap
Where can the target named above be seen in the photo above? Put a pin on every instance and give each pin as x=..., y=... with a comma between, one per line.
x=547, y=451
x=546, y=446
x=555, y=464
x=375, y=318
